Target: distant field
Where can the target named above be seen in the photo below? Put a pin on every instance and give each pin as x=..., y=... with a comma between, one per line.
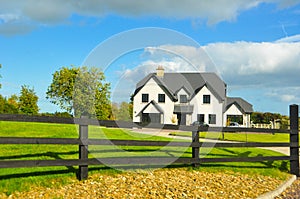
x=21, y=179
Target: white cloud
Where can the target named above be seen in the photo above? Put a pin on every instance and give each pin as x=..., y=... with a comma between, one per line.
x=57, y=11
x=266, y=72
x=245, y=62
x=257, y=63
x=8, y=18
x=288, y=94
x=187, y=58
x=240, y=64
x=287, y=98
x=294, y=38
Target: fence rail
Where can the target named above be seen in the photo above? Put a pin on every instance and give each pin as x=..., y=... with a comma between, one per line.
x=83, y=142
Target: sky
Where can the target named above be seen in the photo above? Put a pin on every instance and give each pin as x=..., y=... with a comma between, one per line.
x=254, y=46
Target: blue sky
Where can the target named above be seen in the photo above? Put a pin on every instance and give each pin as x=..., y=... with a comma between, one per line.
x=253, y=45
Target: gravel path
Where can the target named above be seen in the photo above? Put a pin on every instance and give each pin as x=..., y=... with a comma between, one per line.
x=161, y=183
x=292, y=192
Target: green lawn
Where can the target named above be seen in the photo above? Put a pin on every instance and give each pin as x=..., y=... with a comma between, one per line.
x=240, y=137
x=20, y=179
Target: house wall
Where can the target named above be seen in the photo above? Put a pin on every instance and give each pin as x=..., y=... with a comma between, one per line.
x=153, y=89
x=234, y=110
x=215, y=107
x=246, y=120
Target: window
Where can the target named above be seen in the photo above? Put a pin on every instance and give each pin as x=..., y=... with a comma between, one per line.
x=145, y=97
x=183, y=99
x=161, y=97
x=206, y=99
x=212, y=119
x=200, y=117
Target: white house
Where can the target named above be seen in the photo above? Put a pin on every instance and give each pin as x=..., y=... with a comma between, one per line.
x=182, y=98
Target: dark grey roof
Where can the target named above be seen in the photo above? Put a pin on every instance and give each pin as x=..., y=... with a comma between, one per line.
x=192, y=82
x=240, y=102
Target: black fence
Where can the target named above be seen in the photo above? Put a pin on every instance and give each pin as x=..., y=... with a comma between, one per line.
x=83, y=142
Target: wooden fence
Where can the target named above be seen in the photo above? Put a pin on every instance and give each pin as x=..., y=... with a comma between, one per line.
x=83, y=142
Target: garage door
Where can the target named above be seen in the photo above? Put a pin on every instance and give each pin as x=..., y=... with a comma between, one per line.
x=151, y=118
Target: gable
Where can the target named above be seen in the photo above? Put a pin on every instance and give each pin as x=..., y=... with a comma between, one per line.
x=234, y=109
x=151, y=107
x=211, y=92
x=161, y=84
x=243, y=105
x=182, y=91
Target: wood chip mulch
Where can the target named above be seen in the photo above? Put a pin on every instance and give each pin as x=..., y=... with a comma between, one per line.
x=160, y=183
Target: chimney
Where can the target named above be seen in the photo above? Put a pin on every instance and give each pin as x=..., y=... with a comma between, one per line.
x=160, y=71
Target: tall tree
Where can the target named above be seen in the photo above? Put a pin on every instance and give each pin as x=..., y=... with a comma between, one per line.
x=28, y=101
x=61, y=90
x=124, y=112
x=81, y=91
x=91, y=96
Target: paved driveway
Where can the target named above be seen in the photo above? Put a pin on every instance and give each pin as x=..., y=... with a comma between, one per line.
x=165, y=133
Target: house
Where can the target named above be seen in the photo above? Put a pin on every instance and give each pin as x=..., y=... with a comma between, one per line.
x=182, y=98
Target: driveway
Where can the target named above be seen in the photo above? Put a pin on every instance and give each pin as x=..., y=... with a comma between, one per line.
x=165, y=133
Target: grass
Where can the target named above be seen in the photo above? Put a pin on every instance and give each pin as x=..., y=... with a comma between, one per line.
x=239, y=137
x=21, y=179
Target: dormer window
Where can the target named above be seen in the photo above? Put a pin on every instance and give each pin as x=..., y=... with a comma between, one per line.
x=145, y=97
x=183, y=98
x=206, y=99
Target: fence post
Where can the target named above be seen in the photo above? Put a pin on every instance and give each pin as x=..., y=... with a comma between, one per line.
x=195, y=149
x=294, y=139
x=83, y=151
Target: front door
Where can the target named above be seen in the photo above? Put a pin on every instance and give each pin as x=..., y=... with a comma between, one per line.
x=181, y=118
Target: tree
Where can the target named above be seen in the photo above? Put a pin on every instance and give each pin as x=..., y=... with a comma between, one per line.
x=91, y=96
x=265, y=118
x=6, y=107
x=28, y=101
x=81, y=91
x=13, y=100
x=114, y=110
x=124, y=112
x=61, y=90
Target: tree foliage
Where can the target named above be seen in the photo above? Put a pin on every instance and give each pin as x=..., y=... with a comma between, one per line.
x=81, y=91
x=14, y=100
x=91, y=96
x=265, y=118
x=61, y=90
x=6, y=107
x=122, y=111
x=28, y=101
